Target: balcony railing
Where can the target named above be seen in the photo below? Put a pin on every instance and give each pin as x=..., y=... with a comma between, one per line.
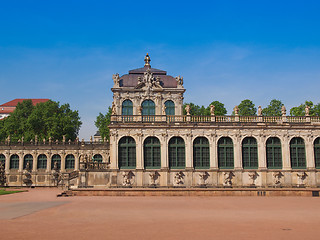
x=208, y=119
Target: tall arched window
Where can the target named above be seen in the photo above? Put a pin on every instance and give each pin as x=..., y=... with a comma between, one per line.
x=249, y=153
x=201, y=153
x=97, y=158
x=151, y=150
x=70, y=161
x=14, y=161
x=317, y=152
x=3, y=159
x=170, y=108
x=225, y=153
x=27, y=159
x=56, y=159
x=127, y=107
x=297, y=153
x=148, y=107
x=127, y=153
x=42, y=161
x=274, y=154
x=176, y=153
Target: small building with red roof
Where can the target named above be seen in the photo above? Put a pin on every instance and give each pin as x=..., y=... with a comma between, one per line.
x=9, y=107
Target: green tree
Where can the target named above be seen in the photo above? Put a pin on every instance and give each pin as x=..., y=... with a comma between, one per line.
x=219, y=109
x=102, y=123
x=247, y=108
x=300, y=110
x=44, y=120
x=273, y=109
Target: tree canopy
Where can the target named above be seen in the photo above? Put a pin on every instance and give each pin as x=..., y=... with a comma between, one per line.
x=102, y=123
x=273, y=109
x=196, y=110
x=247, y=108
x=45, y=120
x=300, y=110
x=219, y=109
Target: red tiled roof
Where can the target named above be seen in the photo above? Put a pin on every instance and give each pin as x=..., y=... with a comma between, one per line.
x=14, y=102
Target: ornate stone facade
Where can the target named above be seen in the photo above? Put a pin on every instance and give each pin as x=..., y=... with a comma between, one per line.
x=152, y=144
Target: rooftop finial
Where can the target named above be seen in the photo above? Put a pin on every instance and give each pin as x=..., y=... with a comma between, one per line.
x=147, y=61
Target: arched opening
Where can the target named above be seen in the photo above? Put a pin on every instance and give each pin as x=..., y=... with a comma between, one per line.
x=274, y=153
x=14, y=161
x=170, y=108
x=56, y=160
x=176, y=153
x=3, y=160
x=28, y=161
x=297, y=153
x=42, y=161
x=127, y=153
x=249, y=153
x=225, y=153
x=151, y=153
x=317, y=152
x=201, y=153
x=148, y=107
x=127, y=107
x=97, y=158
x=70, y=161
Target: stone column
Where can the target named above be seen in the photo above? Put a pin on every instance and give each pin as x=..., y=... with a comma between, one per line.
x=113, y=151
x=237, y=153
x=7, y=162
x=35, y=161
x=213, y=152
x=139, y=152
x=49, y=155
x=309, y=154
x=164, y=151
x=189, y=151
x=262, y=159
x=285, y=153
x=76, y=161
x=20, y=154
x=63, y=162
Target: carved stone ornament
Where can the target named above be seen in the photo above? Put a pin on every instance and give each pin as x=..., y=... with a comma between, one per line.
x=179, y=178
x=236, y=111
x=179, y=81
x=307, y=111
x=277, y=178
x=212, y=108
x=252, y=177
x=283, y=111
x=203, y=176
x=187, y=108
x=148, y=82
x=116, y=80
x=153, y=177
x=113, y=109
x=301, y=177
x=228, y=176
x=127, y=178
x=259, y=111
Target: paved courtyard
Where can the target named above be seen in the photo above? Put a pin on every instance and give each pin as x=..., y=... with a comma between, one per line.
x=39, y=214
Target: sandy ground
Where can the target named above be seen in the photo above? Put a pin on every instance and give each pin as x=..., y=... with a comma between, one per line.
x=39, y=214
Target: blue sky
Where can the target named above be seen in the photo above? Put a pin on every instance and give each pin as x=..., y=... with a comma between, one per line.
x=225, y=50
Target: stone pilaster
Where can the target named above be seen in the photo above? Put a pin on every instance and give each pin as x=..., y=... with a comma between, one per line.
x=213, y=152
x=164, y=151
x=310, y=153
x=286, y=153
x=139, y=151
x=189, y=151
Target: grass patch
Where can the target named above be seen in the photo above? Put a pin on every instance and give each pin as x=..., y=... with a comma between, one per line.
x=4, y=192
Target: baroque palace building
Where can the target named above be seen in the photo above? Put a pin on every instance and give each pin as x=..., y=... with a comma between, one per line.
x=152, y=144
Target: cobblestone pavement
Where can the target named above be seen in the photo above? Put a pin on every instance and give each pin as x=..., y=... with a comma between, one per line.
x=39, y=214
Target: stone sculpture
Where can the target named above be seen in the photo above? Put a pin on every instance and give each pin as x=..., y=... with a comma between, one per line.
x=153, y=177
x=277, y=178
x=127, y=178
x=187, y=108
x=307, y=111
x=301, y=177
x=116, y=80
x=179, y=81
x=27, y=175
x=203, y=176
x=283, y=110
x=212, y=109
x=179, y=178
x=228, y=176
x=253, y=176
x=259, y=111
x=113, y=109
x=236, y=111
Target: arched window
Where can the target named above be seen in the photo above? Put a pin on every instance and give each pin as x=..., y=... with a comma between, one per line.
x=170, y=108
x=201, y=153
x=14, y=161
x=249, y=153
x=56, y=159
x=297, y=153
x=3, y=159
x=317, y=152
x=42, y=161
x=27, y=159
x=148, y=107
x=225, y=153
x=70, y=161
x=127, y=153
x=97, y=158
x=151, y=153
x=176, y=153
x=274, y=154
x=127, y=107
